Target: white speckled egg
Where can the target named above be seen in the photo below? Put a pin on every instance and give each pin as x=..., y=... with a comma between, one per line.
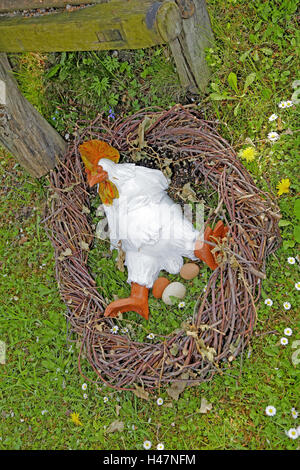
x=175, y=289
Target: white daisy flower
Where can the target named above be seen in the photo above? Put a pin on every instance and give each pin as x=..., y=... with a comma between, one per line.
x=288, y=331
x=282, y=104
x=289, y=103
x=205, y=289
x=147, y=445
x=105, y=399
x=286, y=305
x=273, y=136
x=292, y=433
x=124, y=330
x=85, y=396
x=114, y=329
x=294, y=413
x=291, y=260
x=284, y=341
x=84, y=386
x=273, y=117
x=150, y=336
x=270, y=410
x=181, y=305
x=160, y=446
x=159, y=401
x=44, y=412
x=297, y=285
x=269, y=302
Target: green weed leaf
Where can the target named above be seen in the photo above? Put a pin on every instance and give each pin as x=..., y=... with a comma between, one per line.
x=244, y=56
x=267, y=50
x=249, y=80
x=297, y=208
x=266, y=93
x=288, y=244
x=283, y=223
x=215, y=87
x=53, y=71
x=219, y=97
x=236, y=109
x=232, y=81
x=297, y=233
x=63, y=73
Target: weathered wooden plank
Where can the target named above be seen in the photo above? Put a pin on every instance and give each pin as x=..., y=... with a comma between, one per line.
x=23, y=131
x=13, y=5
x=113, y=25
x=168, y=20
x=188, y=48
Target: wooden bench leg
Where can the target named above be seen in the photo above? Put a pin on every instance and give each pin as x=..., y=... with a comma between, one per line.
x=23, y=131
x=188, y=40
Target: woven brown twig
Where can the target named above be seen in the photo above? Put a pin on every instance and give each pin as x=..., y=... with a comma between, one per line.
x=225, y=314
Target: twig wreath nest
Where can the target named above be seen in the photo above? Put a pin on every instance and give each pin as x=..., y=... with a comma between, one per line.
x=225, y=314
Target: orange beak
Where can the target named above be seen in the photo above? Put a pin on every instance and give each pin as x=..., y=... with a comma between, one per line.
x=96, y=176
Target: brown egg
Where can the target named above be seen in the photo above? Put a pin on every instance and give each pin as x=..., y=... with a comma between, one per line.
x=159, y=286
x=189, y=271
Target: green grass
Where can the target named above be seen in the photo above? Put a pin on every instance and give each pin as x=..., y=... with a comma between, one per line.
x=41, y=370
x=81, y=85
x=29, y=72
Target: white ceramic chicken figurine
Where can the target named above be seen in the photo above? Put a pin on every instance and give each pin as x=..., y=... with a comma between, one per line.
x=154, y=234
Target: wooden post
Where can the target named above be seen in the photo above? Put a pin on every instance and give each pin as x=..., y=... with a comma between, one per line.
x=188, y=48
x=23, y=131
